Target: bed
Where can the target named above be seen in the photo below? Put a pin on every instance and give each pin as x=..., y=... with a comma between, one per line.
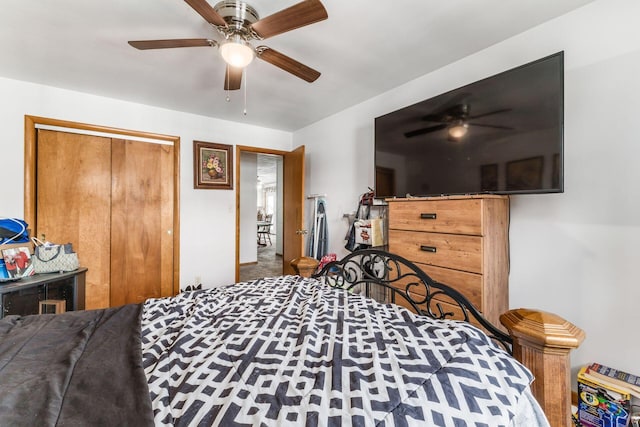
x=330, y=350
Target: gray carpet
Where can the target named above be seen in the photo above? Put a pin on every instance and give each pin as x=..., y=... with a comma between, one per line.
x=269, y=264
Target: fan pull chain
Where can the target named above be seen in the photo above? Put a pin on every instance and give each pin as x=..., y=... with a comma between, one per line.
x=244, y=71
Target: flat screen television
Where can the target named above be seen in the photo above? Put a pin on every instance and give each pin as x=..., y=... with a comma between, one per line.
x=500, y=135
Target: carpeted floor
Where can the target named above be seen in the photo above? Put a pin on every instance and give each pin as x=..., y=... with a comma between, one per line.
x=269, y=264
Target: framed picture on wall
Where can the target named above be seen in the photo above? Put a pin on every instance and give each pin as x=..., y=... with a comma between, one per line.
x=212, y=166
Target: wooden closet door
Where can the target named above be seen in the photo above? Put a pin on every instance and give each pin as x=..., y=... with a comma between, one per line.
x=74, y=202
x=141, y=221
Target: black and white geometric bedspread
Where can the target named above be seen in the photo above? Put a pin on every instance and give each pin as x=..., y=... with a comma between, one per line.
x=291, y=351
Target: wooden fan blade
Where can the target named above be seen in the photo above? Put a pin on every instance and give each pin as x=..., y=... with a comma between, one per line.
x=207, y=12
x=287, y=64
x=423, y=131
x=164, y=44
x=232, y=78
x=304, y=13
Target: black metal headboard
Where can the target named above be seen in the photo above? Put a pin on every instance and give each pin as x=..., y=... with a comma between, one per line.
x=391, y=278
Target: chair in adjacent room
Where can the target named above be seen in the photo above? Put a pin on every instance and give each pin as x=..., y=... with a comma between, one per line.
x=264, y=231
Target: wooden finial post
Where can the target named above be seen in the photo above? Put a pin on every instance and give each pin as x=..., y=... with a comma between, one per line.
x=305, y=266
x=542, y=342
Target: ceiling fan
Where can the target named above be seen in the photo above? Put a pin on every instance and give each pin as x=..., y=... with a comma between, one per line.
x=456, y=120
x=239, y=23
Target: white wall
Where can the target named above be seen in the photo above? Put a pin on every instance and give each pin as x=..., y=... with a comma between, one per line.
x=574, y=253
x=207, y=217
x=248, y=207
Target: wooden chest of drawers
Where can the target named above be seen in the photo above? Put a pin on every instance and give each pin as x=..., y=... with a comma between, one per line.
x=460, y=241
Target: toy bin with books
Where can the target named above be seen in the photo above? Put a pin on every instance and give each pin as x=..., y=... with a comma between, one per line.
x=605, y=396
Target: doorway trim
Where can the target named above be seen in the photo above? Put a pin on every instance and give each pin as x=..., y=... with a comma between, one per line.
x=31, y=124
x=239, y=150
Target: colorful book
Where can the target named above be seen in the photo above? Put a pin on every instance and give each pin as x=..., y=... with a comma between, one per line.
x=17, y=262
x=601, y=404
x=610, y=385
x=615, y=376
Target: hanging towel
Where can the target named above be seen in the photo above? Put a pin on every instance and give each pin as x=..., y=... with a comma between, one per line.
x=323, y=236
x=318, y=242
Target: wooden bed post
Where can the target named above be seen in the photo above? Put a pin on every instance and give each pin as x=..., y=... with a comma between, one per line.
x=542, y=342
x=304, y=266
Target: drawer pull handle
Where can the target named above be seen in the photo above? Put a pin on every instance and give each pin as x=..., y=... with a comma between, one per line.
x=427, y=216
x=428, y=248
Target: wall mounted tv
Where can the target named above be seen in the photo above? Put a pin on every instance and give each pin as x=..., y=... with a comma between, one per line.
x=500, y=135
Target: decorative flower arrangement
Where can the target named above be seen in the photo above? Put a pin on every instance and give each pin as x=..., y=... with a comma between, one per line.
x=213, y=166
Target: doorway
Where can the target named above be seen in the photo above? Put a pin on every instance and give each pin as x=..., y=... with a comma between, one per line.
x=261, y=256
x=280, y=183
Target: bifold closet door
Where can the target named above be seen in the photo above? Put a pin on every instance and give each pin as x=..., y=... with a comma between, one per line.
x=113, y=199
x=73, y=203
x=141, y=221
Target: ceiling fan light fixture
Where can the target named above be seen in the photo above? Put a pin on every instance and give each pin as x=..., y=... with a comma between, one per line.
x=236, y=52
x=458, y=130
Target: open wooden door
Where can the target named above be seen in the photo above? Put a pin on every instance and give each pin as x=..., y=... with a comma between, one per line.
x=293, y=194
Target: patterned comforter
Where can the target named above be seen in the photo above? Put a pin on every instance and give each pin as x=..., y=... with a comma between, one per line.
x=292, y=351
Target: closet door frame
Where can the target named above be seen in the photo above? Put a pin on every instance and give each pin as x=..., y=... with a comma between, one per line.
x=31, y=124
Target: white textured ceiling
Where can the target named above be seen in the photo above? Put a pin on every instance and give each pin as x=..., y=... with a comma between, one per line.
x=268, y=168
x=365, y=48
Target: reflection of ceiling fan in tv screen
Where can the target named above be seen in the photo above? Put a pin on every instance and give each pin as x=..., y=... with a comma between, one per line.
x=502, y=134
x=456, y=119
